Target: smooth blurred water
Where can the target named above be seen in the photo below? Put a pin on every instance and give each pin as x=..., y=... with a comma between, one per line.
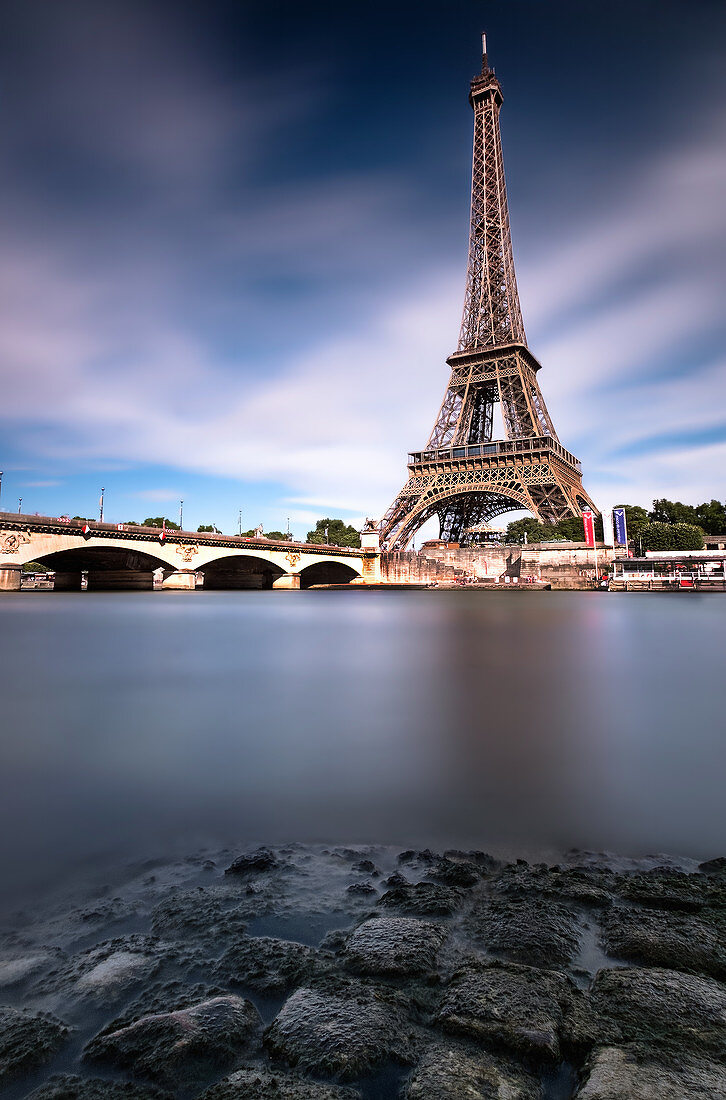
x=150, y=723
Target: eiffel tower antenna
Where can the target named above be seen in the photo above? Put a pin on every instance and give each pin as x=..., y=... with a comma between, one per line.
x=464, y=476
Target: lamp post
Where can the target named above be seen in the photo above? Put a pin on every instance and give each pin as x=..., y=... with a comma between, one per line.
x=181, y=515
x=1, y=482
x=288, y=528
x=100, y=506
x=20, y=504
x=239, y=523
x=327, y=540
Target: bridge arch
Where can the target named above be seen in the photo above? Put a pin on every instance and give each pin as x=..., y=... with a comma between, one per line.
x=107, y=568
x=240, y=571
x=327, y=571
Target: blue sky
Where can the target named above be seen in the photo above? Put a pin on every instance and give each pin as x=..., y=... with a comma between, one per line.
x=233, y=245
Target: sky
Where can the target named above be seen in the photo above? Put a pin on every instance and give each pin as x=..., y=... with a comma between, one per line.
x=233, y=242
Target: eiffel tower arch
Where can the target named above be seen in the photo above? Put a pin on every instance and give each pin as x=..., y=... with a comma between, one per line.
x=464, y=476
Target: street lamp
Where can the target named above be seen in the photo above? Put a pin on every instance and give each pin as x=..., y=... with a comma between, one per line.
x=1, y=482
x=181, y=515
x=20, y=503
x=327, y=540
x=100, y=506
x=239, y=523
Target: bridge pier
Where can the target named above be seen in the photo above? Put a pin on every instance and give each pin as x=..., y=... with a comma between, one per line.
x=287, y=580
x=10, y=576
x=67, y=582
x=120, y=580
x=184, y=580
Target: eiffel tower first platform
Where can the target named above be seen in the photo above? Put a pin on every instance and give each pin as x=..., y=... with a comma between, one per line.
x=463, y=475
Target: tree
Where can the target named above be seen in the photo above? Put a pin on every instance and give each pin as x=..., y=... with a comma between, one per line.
x=528, y=526
x=712, y=517
x=570, y=529
x=35, y=567
x=672, y=511
x=339, y=533
x=161, y=521
x=672, y=536
x=208, y=527
x=278, y=535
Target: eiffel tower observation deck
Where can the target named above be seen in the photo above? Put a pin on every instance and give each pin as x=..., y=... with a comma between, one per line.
x=463, y=475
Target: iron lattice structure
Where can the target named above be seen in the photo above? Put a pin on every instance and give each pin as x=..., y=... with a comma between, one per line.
x=464, y=476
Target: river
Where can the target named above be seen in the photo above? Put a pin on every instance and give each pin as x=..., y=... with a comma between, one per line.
x=149, y=724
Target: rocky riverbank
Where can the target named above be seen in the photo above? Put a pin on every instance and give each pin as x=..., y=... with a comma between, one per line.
x=302, y=973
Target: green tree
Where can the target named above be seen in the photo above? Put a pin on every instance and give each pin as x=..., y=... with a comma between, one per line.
x=160, y=521
x=712, y=517
x=529, y=526
x=131, y=523
x=570, y=529
x=35, y=567
x=208, y=527
x=672, y=511
x=278, y=535
x=672, y=536
x=339, y=533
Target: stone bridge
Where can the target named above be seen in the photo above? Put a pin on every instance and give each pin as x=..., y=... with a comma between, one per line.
x=123, y=556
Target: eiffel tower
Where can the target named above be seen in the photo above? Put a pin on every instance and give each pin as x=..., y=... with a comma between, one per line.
x=464, y=476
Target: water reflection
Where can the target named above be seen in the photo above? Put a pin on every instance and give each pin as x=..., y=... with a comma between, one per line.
x=153, y=722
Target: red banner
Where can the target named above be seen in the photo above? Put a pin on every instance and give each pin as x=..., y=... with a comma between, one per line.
x=589, y=521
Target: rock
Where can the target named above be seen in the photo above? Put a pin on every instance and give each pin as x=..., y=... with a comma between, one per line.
x=630, y=1073
x=588, y=886
x=201, y=913
x=27, y=1040
x=16, y=968
x=115, y=972
x=452, y=1072
x=106, y=971
x=667, y=939
x=713, y=866
x=343, y=1031
x=667, y=888
x=363, y=889
x=367, y=867
x=527, y=930
x=254, y=863
x=266, y=965
x=396, y=879
x=394, y=946
x=656, y=1005
x=424, y=856
x=455, y=872
x=262, y=1084
x=180, y=1047
x=424, y=898
x=519, y=1008
x=66, y=1087
x=483, y=860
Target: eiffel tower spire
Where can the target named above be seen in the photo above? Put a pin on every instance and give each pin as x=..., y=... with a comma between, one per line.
x=464, y=476
x=492, y=313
